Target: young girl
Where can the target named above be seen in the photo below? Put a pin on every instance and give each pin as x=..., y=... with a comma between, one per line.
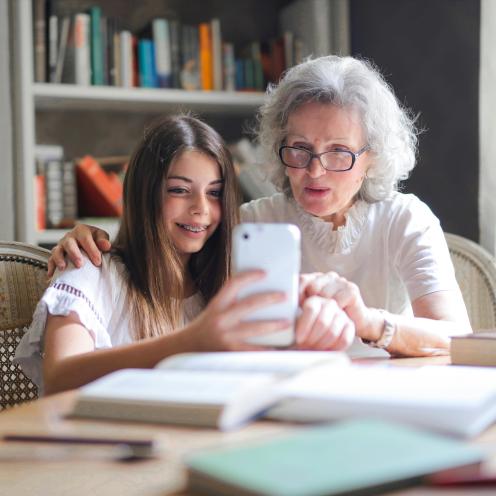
x=170, y=258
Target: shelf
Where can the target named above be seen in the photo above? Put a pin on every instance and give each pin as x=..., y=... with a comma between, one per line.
x=52, y=236
x=50, y=96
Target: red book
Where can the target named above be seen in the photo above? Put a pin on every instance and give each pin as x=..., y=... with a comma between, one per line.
x=99, y=192
x=40, y=201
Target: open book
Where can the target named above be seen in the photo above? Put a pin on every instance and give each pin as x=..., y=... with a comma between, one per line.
x=449, y=399
x=221, y=390
x=227, y=390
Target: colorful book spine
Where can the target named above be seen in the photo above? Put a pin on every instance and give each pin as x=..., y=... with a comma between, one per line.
x=146, y=64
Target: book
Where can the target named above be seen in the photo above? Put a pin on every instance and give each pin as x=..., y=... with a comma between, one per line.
x=206, y=69
x=474, y=349
x=351, y=457
x=161, y=39
x=96, y=45
x=53, y=43
x=216, y=54
x=460, y=401
x=49, y=192
x=223, y=390
x=61, y=51
x=39, y=40
x=99, y=192
x=82, y=53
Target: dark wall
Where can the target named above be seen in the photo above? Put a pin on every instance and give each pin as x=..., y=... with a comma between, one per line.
x=429, y=51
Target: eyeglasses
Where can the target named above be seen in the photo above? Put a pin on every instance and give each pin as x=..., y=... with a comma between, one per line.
x=300, y=158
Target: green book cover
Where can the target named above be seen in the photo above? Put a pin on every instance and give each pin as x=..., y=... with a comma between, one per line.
x=342, y=458
x=96, y=46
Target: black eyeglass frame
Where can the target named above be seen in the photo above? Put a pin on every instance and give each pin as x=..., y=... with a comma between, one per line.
x=311, y=156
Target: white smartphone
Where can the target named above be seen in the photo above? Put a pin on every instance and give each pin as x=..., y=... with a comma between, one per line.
x=274, y=248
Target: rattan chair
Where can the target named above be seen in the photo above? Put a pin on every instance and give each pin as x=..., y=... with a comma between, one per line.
x=22, y=282
x=475, y=270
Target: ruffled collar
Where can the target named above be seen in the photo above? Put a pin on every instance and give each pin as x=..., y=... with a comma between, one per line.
x=321, y=231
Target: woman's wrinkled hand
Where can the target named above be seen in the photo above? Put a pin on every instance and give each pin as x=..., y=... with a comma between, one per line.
x=346, y=294
x=91, y=239
x=323, y=326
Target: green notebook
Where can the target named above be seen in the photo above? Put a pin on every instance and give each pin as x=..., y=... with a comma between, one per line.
x=351, y=457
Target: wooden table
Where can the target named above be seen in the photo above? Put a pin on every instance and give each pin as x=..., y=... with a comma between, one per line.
x=165, y=475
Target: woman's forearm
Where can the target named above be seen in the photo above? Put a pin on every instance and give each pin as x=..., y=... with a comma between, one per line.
x=437, y=317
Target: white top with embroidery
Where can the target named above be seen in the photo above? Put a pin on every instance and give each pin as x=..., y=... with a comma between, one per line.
x=394, y=250
x=98, y=296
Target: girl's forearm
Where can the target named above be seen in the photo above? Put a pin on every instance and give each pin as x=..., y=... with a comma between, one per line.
x=76, y=370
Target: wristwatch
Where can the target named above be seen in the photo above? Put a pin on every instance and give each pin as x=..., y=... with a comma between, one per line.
x=388, y=332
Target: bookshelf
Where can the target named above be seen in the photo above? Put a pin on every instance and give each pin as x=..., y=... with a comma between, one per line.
x=75, y=107
x=33, y=98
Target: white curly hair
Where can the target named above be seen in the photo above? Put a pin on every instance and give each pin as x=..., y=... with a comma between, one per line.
x=346, y=82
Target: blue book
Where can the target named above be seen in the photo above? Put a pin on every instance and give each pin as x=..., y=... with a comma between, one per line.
x=146, y=64
x=351, y=457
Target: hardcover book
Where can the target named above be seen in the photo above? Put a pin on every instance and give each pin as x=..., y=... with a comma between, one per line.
x=99, y=192
x=474, y=349
x=352, y=457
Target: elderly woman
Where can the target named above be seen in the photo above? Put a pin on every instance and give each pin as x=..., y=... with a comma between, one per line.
x=338, y=144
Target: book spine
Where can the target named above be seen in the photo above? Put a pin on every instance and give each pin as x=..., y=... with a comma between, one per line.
x=40, y=199
x=39, y=16
x=61, y=52
x=229, y=67
x=216, y=54
x=82, y=55
x=54, y=194
x=161, y=39
x=175, y=43
x=69, y=194
x=105, y=52
x=53, y=35
x=145, y=54
x=205, y=39
x=96, y=46
x=126, y=59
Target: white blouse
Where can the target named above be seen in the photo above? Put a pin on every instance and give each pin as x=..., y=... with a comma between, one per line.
x=98, y=296
x=394, y=250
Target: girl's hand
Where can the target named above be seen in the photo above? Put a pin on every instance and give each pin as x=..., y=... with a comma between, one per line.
x=222, y=326
x=322, y=325
x=345, y=293
x=91, y=239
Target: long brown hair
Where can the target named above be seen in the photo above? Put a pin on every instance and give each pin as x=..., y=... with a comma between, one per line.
x=155, y=274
